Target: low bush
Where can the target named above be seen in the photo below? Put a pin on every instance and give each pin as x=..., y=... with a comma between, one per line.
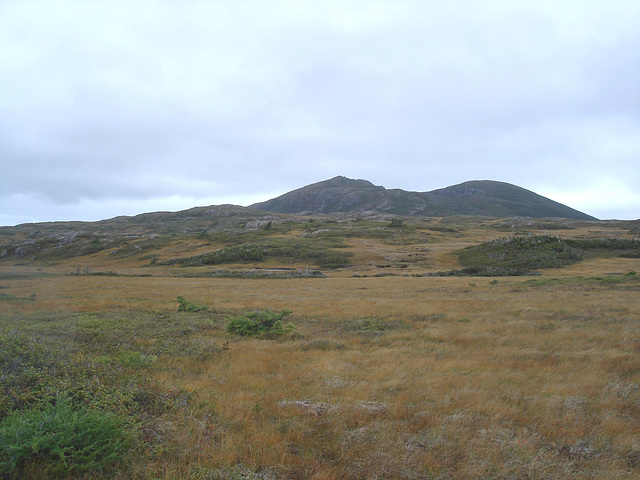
x=516, y=256
x=318, y=251
x=264, y=322
x=609, y=243
x=185, y=306
x=63, y=438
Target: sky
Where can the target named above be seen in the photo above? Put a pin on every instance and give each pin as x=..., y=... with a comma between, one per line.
x=112, y=108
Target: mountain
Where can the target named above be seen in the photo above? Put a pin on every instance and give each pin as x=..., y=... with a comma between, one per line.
x=483, y=197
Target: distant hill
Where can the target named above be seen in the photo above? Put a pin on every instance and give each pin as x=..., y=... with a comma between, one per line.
x=484, y=197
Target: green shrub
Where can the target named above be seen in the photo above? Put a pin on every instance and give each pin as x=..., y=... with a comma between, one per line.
x=63, y=438
x=319, y=251
x=516, y=256
x=605, y=243
x=185, y=306
x=264, y=322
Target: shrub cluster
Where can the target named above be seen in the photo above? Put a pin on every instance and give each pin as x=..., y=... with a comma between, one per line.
x=517, y=256
x=63, y=437
x=313, y=251
x=605, y=243
x=185, y=306
x=264, y=322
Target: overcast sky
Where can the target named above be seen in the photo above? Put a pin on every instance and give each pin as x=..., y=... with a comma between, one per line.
x=115, y=107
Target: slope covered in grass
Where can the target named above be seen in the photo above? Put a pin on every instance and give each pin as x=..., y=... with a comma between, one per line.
x=517, y=255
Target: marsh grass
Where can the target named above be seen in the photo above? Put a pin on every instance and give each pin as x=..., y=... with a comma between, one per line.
x=539, y=392
x=384, y=377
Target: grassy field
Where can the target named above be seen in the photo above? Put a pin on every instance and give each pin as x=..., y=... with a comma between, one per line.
x=388, y=373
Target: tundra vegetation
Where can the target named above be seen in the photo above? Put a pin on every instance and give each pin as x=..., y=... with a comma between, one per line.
x=225, y=344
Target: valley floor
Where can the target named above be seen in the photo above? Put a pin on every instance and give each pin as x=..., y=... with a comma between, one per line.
x=383, y=377
x=383, y=373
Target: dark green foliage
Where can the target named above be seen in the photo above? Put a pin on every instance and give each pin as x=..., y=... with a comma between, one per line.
x=332, y=259
x=608, y=243
x=622, y=247
x=264, y=322
x=233, y=254
x=521, y=255
x=63, y=437
x=317, y=251
x=396, y=222
x=185, y=306
x=517, y=256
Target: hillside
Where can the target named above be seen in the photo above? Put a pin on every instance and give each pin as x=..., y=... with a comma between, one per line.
x=371, y=230
x=486, y=198
x=225, y=342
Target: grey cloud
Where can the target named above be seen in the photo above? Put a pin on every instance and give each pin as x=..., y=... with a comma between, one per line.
x=204, y=100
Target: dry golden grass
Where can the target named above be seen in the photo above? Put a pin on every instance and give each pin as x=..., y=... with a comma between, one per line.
x=508, y=380
x=548, y=394
x=457, y=377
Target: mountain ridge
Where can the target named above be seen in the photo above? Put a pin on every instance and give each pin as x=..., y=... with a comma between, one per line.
x=476, y=197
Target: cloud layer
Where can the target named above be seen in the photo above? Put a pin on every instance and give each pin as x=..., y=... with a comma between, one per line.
x=110, y=108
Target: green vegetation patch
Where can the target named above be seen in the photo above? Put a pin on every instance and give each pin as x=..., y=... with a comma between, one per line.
x=607, y=247
x=517, y=256
x=98, y=359
x=63, y=437
x=79, y=391
x=264, y=322
x=317, y=251
x=521, y=255
x=186, y=306
x=11, y=297
x=608, y=243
